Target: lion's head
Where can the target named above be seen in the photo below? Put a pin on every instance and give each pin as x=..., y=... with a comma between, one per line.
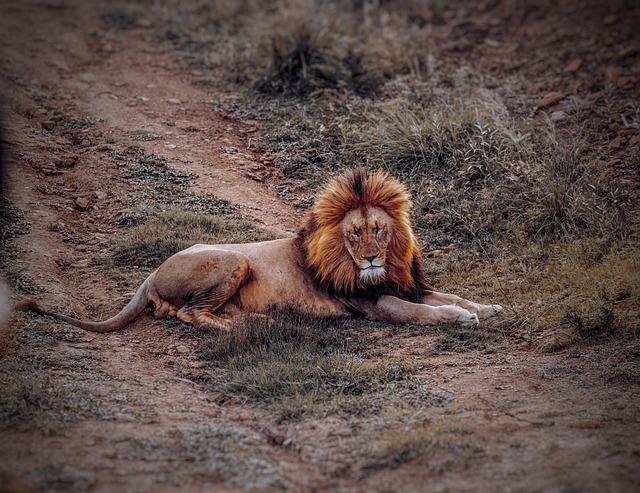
x=358, y=237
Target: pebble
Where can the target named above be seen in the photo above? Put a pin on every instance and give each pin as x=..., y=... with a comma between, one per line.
x=549, y=99
x=574, y=65
x=182, y=349
x=67, y=162
x=82, y=203
x=174, y=101
x=49, y=125
x=558, y=116
x=81, y=264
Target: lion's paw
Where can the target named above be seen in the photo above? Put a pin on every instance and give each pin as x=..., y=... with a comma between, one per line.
x=452, y=314
x=488, y=311
x=468, y=319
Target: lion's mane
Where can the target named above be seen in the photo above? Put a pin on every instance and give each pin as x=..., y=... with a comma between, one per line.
x=326, y=255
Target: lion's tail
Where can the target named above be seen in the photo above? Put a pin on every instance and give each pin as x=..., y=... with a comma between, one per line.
x=136, y=306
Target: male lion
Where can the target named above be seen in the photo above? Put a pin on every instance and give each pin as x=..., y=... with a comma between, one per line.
x=355, y=254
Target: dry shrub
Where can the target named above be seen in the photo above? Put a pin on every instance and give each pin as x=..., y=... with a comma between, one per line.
x=597, y=294
x=477, y=179
x=309, y=50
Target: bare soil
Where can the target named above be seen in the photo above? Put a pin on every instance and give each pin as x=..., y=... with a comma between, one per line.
x=74, y=90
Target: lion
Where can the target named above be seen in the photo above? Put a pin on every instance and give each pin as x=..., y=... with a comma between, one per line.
x=354, y=255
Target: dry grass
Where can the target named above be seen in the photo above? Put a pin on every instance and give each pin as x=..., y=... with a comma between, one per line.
x=417, y=440
x=12, y=225
x=165, y=232
x=165, y=216
x=31, y=397
x=299, y=367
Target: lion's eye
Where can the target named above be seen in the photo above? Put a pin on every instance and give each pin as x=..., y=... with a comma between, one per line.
x=354, y=237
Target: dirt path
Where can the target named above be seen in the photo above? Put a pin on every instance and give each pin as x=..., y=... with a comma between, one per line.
x=75, y=90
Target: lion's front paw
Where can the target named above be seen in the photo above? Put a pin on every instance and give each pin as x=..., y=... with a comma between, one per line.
x=468, y=319
x=455, y=315
x=487, y=311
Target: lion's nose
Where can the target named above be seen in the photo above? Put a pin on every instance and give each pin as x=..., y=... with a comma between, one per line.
x=370, y=258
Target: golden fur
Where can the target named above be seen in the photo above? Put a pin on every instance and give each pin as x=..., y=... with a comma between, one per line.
x=325, y=251
x=355, y=254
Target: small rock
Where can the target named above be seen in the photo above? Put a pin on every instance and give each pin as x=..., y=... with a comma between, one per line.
x=49, y=125
x=549, y=99
x=573, y=65
x=81, y=264
x=100, y=195
x=535, y=89
x=174, y=101
x=67, y=162
x=558, y=116
x=83, y=203
x=182, y=349
x=615, y=143
x=144, y=23
x=613, y=74
x=610, y=20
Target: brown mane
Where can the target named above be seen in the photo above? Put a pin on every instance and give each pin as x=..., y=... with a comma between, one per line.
x=324, y=248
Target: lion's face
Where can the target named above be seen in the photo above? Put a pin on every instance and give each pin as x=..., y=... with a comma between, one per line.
x=365, y=232
x=358, y=235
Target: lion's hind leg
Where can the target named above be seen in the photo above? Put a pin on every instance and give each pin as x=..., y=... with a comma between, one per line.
x=203, y=318
x=193, y=285
x=199, y=309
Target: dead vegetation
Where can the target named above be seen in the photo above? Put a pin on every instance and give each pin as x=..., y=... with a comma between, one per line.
x=301, y=367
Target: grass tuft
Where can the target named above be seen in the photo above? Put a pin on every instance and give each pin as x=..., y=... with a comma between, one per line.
x=298, y=366
x=313, y=51
x=30, y=397
x=161, y=233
